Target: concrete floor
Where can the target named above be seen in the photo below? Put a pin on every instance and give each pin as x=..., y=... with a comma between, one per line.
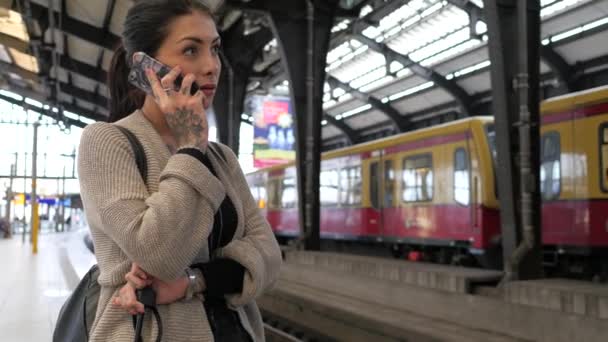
x=34, y=287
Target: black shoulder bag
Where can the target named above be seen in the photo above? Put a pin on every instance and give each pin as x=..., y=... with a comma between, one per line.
x=78, y=312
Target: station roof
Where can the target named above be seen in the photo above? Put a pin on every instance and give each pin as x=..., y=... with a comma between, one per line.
x=391, y=64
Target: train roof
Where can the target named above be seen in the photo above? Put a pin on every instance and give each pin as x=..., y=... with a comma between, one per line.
x=574, y=100
x=422, y=133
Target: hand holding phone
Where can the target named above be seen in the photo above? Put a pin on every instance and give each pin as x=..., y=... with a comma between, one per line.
x=184, y=113
x=137, y=75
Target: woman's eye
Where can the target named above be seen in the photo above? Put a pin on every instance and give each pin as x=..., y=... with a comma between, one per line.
x=191, y=51
x=216, y=48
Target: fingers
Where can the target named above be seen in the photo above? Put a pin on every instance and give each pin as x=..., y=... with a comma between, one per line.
x=187, y=84
x=127, y=300
x=169, y=80
x=157, y=88
x=136, y=281
x=138, y=272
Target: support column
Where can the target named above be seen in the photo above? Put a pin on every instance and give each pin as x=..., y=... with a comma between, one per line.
x=303, y=33
x=238, y=57
x=514, y=40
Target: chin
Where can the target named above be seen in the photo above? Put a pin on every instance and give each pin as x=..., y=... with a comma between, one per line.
x=207, y=103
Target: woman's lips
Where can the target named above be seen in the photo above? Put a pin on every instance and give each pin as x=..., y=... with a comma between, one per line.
x=208, y=90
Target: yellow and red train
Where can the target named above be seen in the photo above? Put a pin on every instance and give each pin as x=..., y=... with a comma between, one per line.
x=433, y=190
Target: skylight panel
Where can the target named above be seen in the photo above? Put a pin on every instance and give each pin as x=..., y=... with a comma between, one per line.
x=553, y=7
x=368, y=77
x=411, y=91
x=404, y=72
x=355, y=68
x=441, y=45
x=371, y=32
x=329, y=104
x=367, y=9
x=343, y=25
x=395, y=66
x=471, y=43
x=376, y=84
x=337, y=92
x=271, y=45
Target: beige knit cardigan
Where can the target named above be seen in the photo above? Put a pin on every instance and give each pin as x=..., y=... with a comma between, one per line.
x=163, y=226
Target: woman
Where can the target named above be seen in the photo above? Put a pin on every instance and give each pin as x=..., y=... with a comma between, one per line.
x=192, y=231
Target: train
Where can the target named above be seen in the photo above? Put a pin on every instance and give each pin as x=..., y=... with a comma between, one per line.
x=431, y=194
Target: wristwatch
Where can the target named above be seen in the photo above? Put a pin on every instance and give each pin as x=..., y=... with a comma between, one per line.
x=191, y=283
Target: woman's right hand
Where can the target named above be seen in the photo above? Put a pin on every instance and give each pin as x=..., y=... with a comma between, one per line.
x=184, y=113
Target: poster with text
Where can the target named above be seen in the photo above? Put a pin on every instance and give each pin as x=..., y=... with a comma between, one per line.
x=273, y=136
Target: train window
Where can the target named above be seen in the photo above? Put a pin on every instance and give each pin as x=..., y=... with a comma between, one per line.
x=418, y=178
x=356, y=185
x=550, y=167
x=273, y=194
x=389, y=183
x=289, y=194
x=329, y=188
x=374, y=191
x=604, y=157
x=350, y=186
x=344, y=187
x=462, y=185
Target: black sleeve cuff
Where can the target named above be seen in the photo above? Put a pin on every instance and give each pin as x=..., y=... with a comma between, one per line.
x=198, y=154
x=222, y=276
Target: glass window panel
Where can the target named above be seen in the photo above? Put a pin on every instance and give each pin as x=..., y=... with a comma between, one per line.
x=462, y=186
x=389, y=183
x=329, y=190
x=550, y=172
x=417, y=179
x=373, y=185
x=604, y=157
x=344, y=187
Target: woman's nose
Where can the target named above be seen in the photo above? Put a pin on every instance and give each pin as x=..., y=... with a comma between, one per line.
x=209, y=64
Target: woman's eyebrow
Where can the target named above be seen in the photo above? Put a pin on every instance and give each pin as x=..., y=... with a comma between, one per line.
x=198, y=40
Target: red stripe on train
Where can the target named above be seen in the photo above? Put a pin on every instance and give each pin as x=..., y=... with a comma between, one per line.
x=576, y=223
x=439, y=222
x=441, y=140
x=565, y=223
x=576, y=114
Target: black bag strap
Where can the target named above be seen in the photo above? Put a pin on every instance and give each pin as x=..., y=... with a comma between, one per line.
x=138, y=150
x=147, y=295
x=215, y=148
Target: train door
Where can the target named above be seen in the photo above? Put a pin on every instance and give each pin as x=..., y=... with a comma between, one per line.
x=464, y=189
x=374, y=217
x=603, y=157
x=388, y=203
x=561, y=169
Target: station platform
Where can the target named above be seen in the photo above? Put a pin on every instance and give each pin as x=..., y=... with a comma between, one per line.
x=34, y=287
x=336, y=297
x=355, y=298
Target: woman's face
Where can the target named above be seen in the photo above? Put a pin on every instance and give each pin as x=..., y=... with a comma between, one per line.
x=193, y=43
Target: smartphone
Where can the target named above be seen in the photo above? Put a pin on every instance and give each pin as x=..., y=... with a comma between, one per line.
x=137, y=75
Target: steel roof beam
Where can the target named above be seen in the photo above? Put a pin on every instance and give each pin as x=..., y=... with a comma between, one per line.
x=556, y=62
x=463, y=98
x=106, y=29
x=78, y=28
x=399, y=121
x=48, y=113
x=69, y=89
x=348, y=131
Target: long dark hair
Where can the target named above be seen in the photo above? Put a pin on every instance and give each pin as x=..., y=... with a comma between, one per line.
x=145, y=28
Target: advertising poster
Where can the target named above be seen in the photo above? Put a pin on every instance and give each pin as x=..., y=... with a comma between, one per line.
x=273, y=136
